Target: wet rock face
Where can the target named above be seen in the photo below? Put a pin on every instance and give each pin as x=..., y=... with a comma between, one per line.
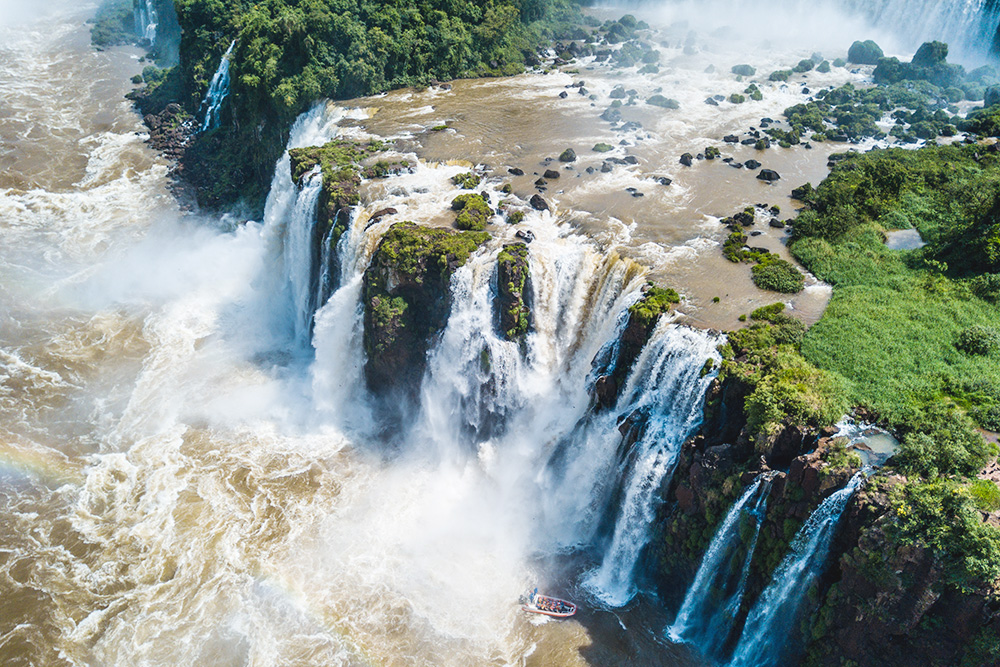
x=407, y=301
x=513, y=289
x=642, y=320
x=891, y=604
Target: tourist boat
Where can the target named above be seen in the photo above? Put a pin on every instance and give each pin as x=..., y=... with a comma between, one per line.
x=548, y=606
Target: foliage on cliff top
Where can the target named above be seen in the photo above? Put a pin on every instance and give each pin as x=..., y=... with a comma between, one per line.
x=654, y=302
x=784, y=386
x=942, y=516
x=895, y=326
x=113, y=25
x=290, y=53
x=412, y=248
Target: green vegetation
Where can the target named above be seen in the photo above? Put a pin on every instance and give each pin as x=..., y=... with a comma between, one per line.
x=290, y=54
x=654, y=303
x=413, y=249
x=777, y=275
x=864, y=53
x=603, y=148
x=663, y=102
x=942, y=515
x=466, y=181
x=785, y=388
x=743, y=70
x=474, y=212
x=113, y=24
x=736, y=98
x=912, y=331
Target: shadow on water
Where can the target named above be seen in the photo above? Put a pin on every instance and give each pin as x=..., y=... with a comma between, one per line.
x=632, y=635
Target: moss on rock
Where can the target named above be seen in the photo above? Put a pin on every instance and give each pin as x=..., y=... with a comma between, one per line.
x=513, y=290
x=407, y=300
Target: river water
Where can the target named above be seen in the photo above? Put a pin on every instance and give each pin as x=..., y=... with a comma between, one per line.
x=184, y=481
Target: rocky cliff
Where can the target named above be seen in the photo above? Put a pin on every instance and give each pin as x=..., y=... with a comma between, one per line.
x=407, y=301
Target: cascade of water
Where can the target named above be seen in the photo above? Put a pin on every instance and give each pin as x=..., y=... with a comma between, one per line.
x=289, y=287
x=668, y=389
x=765, y=638
x=968, y=26
x=706, y=616
x=218, y=90
x=299, y=251
x=146, y=21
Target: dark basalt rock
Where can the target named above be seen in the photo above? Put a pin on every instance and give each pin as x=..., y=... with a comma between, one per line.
x=776, y=223
x=687, y=159
x=538, y=203
x=768, y=175
x=378, y=215
x=551, y=174
x=612, y=115
x=731, y=139
x=752, y=164
x=515, y=171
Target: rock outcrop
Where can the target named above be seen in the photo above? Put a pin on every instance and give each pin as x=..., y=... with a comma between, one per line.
x=407, y=301
x=512, y=306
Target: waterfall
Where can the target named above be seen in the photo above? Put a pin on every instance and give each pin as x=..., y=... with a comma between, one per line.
x=289, y=225
x=706, y=617
x=766, y=634
x=968, y=26
x=668, y=390
x=146, y=20
x=218, y=90
x=299, y=252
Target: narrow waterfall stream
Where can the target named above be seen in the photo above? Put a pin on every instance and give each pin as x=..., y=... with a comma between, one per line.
x=218, y=91
x=710, y=606
x=774, y=617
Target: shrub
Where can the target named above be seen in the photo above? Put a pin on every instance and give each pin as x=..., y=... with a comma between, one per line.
x=804, y=66
x=736, y=98
x=474, y=212
x=939, y=516
x=978, y=340
x=864, y=53
x=466, y=181
x=781, y=75
x=663, y=102
x=778, y=275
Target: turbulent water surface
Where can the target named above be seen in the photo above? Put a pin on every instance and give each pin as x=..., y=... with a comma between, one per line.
x=191, y=472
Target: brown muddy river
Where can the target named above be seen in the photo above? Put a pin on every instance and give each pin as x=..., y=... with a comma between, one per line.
x=186, y=481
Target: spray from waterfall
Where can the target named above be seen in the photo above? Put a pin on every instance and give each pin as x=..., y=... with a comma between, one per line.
x=666, y=392
x=218, y=90
x=706, y=616
x=766, y=636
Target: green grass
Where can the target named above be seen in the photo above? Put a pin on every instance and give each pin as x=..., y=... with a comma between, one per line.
x=906, y=329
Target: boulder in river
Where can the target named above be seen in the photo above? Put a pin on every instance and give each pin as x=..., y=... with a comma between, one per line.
x=865, y=53
x=538, y=203
x=687, y=159
x=568, y=155
x=768, y=175
x=551, y=174
x=752, y=164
